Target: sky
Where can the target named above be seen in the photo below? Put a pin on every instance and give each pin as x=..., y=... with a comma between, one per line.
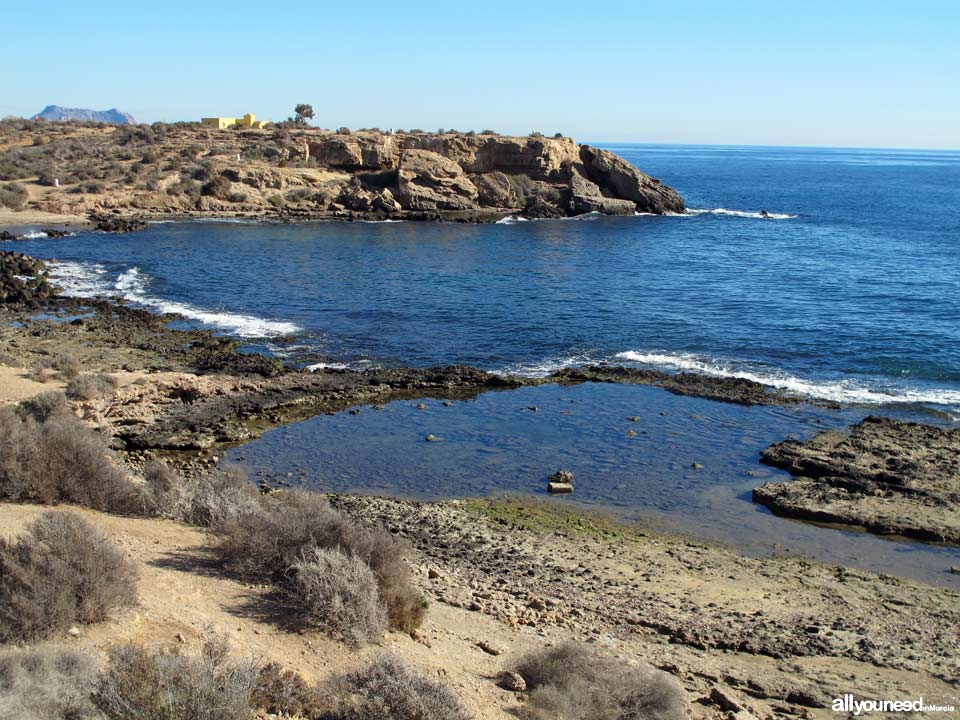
x=839, y=73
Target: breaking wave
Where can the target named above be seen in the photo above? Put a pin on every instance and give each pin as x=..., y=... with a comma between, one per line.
x=92, y=280
x=740, y=214
x=842, y=391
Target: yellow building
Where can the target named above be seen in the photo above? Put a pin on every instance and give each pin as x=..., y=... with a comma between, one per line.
x=222, y=123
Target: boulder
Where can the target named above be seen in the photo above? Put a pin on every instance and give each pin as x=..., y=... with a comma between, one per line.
x=495, y=190
x=621, y=179
x=428, y=181
x=586, y=196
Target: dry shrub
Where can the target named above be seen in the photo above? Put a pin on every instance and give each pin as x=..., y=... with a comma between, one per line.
x=47, y=684
x=46, y=405
x=573, y=682
x=18, y=438
x=265, y=542
x=62, y=571
x=285, y=693
x=387, y=688
x=91, y=387
x=338, y=593
x=71, y=463
x=152, y=684
x=13, y=195
x=221, y=497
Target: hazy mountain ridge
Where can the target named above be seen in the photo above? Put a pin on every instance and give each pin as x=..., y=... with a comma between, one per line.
x=56, y=113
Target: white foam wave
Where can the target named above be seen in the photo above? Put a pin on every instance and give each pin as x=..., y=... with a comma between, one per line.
x=842, y=391
x=547, y=367
x=512, y=220
x=740, y=214
x=33, y=235
x=91, y=280
x=327, y=366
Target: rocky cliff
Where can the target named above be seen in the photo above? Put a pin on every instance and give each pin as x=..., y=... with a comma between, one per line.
x=305, y=173
x=541, y=177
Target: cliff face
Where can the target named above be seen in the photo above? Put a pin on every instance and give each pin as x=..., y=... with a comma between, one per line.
x=306, y=173
x=534, y=175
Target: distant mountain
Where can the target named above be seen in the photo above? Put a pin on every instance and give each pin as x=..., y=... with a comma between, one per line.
x=55, y=113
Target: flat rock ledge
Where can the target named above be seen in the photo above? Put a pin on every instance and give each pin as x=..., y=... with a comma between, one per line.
x=887, y=476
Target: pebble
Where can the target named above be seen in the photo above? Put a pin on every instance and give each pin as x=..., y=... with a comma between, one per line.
x=489, y=648
x=74, y=632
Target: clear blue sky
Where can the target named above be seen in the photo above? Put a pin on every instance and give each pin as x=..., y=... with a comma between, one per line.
x=851, y=73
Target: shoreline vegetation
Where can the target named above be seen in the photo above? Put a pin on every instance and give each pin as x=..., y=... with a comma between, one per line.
x=481, y=608
x=119, y=176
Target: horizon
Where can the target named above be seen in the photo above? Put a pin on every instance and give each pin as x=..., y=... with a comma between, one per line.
x=865, y=75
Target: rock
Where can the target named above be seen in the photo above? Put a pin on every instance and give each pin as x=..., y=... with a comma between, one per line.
x=512, y=681
x=634, y=418
x=356, y=152
x=723, y=701
x=562, y=476
x=586, y=196
x=696, y=466
x=7, y=235
x=447, y=403
x=180, y=638
x=559, y=488
x=887, y=476
x=432, y=438
x=623, y=180
x=495, y=190
x=428, y=181
x=421, y=406
x=354, y=411
x=434, y=574
x=631, y=433
x=74, y=632
x=118, y=224
x=489, y=648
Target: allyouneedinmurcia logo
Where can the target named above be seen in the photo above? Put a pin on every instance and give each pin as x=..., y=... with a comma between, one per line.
x=849, y=704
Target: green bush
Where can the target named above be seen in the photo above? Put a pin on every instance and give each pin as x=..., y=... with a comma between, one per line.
x=59, y=573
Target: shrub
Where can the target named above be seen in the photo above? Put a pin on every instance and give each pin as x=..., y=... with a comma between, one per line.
x=219, y=187
x=187, y=186
x=61, y=460
x=572, y=682
x=387, y=688
x=343, y=131
x=13, y=195
x=65, y=364
x=44, y=406
x=283, y=692
x=298, y=194
x=91, y=387
x=47, y=684
x=267, y=541
x=276, y=201
x=61, y=572
x=221, y=497
x=142, y=684
x=337, y=593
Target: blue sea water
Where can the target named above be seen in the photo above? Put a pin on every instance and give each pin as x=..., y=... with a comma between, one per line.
x=849, y=293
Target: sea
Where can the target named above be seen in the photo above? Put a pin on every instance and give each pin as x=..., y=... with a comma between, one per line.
x=833, y=273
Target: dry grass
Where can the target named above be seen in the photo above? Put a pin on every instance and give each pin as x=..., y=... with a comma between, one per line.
x=44, y=683
x=387, y=688
x=91, y=387
x=152, y=684
x=573, y=682
x=61, y=572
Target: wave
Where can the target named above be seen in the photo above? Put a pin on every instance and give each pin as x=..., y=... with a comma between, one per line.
x=512, y=220
x=842, y=391
x=739, y=214
x=92, y=280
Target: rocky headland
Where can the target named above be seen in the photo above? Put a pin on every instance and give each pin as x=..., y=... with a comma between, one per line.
x=300, y=173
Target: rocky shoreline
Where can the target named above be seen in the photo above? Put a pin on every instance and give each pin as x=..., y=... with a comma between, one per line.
x=125, y=175
x=887, y=476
